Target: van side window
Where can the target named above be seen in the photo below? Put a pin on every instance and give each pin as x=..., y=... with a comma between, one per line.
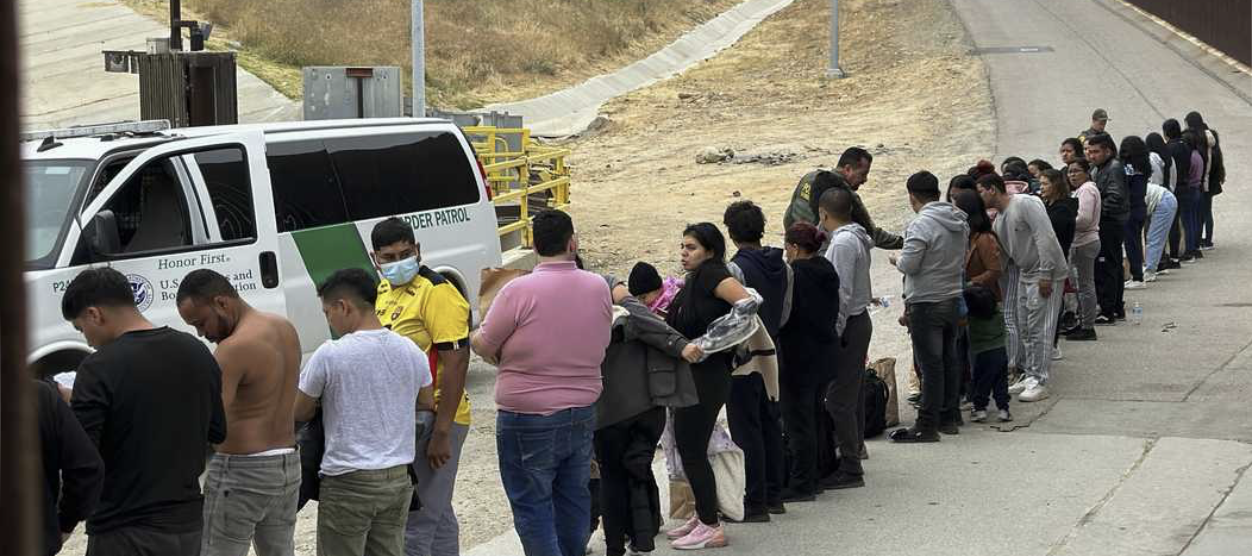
x=384, y=175
x=151, y=209
x=227, y=180
x=304, y=186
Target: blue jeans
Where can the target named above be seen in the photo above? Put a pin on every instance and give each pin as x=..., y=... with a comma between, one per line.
x=544, y=462
x=1158, y=233
x=1188, y=200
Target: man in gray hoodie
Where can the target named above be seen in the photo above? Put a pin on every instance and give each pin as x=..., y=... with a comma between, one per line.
x=932, y=262
x=1036, y=269
x=850, y=251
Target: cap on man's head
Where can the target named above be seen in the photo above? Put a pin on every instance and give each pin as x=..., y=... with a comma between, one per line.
x=1100, y=114
x=644, y=278
x=923, y=182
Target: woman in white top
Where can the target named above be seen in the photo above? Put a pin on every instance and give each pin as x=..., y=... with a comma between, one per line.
x=1085, y=247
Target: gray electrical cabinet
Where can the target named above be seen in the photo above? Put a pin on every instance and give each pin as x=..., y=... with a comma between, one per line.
x=341, y=92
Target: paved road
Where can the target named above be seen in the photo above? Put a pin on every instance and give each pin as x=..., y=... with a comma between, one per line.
x=1146, y=446
x=64, y=82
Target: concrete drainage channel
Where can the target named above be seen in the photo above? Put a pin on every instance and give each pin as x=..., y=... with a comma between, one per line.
x=570, y=111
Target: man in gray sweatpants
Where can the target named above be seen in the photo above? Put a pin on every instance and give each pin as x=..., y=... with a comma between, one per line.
x=1035, y=289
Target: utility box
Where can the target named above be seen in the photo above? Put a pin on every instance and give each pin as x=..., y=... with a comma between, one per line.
x=189, y=88
x=186, y=88
x=340, y=92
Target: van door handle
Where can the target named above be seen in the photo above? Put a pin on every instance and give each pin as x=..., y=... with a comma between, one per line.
x=270, y=269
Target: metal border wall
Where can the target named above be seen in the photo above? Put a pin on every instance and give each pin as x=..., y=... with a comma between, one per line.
x=1224, y=24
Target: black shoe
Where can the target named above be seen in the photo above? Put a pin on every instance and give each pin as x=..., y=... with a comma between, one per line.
x=757, y=517
x=949, y=428
x=1105, y=320
x=1120, y=317
x=1171, y=265
x=1082, y=335
x=839, y=480
x=776, y=508
x=791, y=496
x=914, y=398
x=914, y=436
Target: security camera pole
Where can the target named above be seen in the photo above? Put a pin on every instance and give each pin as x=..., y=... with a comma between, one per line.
x=835, y=71
x=418, y=67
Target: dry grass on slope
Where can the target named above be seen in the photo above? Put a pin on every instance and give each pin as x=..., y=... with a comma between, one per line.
x=478, y=51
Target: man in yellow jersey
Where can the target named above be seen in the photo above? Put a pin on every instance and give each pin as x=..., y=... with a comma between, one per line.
x=421, y=305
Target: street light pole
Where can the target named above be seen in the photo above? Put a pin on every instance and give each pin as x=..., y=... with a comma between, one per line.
x=418, y=63
x=835, y=70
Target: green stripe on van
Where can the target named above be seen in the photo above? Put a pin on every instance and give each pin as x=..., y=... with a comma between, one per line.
x=330, y=248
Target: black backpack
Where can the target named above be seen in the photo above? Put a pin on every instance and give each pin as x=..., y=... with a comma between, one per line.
x=876, y=397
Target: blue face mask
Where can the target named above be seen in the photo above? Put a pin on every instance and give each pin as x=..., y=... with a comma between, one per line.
x=401, y=272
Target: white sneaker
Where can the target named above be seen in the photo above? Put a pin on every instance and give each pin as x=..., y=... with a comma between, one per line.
x=1056, y=354
x=1022, y=385
x=1035, y=393
x=1149, y=276
x=1135, y=285
x=979, y=416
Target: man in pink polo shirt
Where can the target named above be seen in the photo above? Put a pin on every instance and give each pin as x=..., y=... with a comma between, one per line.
x=548, y=331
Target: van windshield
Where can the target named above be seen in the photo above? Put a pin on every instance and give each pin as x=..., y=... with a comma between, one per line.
x=51, y=187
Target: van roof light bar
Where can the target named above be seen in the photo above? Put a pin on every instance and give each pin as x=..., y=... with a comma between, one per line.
x=133, y=128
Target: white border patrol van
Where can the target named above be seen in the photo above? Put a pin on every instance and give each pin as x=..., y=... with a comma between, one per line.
x=276, y=208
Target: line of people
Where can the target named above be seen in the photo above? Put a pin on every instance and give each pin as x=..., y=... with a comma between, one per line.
x=985, y=270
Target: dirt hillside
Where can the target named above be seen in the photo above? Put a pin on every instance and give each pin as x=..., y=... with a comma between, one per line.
x=913, y=97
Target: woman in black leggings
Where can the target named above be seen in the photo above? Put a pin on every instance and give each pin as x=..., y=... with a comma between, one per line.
x=708, y=294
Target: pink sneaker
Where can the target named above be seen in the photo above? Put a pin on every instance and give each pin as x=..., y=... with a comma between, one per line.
x=684, y=530
x=703, y=536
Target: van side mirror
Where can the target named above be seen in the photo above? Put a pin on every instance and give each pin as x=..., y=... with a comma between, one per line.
x=102, y=234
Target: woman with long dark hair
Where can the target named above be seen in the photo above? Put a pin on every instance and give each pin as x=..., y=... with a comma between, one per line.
x=709, y=293
x=987, y=334
x=809, y=345
x=1062, y=209
x=1162, y=171
x=1137, y=160
x=1190, y=204
x=1214, y=175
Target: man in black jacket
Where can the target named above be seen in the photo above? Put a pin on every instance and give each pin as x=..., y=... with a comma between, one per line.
x=1109, y=174
x=149, y=398
x=1180, y=152
x=73, y=472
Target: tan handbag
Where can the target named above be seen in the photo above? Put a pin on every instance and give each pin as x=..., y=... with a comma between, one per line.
x=884, y=368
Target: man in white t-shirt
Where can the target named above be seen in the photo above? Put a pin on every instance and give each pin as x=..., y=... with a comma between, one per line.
x=370, y=382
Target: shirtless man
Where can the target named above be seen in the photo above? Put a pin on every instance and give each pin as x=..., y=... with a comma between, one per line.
x=253, y=480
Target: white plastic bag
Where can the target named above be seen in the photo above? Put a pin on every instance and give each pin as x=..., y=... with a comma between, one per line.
x=733, y=329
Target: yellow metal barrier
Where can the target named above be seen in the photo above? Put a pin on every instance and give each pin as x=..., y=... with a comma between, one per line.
x=520, y=177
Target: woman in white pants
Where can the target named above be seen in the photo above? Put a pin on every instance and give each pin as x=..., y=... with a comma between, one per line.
x=1162, y=206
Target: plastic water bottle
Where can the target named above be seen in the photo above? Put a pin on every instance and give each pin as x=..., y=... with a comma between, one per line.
x=1138, y=314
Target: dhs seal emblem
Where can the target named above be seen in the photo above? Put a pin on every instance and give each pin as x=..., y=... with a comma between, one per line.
x=143, y=290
